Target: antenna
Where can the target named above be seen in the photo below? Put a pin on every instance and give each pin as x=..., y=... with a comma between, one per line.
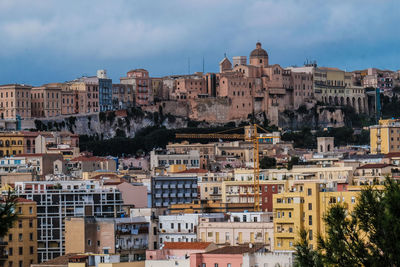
x=203, y=64
x=189, y=66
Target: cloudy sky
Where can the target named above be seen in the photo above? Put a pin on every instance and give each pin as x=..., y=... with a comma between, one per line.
x=45, y=41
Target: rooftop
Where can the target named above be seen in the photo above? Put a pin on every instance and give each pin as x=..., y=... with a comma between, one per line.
x=237, y=249
x=186, y=245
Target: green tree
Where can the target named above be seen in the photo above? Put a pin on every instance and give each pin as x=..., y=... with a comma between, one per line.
x=293, y=161
x=7, y=213
x=368, y=236
x=305, y=255
x=267, y=163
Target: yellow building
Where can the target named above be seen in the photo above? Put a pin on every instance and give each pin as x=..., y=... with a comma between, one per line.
x=11, y=143
x=22, y=238
x=385, y=137
x=303, y=207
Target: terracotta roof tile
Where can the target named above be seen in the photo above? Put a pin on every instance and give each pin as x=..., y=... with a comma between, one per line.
x=186, y=245
x=61, y=260
x=374, y=166
x=236, y=249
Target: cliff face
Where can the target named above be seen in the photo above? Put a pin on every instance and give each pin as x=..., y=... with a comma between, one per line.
x=110, y=125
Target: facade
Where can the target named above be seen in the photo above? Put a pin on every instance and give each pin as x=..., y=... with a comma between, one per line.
x=59, y=200
x=206, y=151
x=105, y=91
x=11, y=143
x=168, y=190
x=15, y=101
x=64, y=143
x=178, y=228
x=303, y=207
x=162, y=159
x=77, y=166
x=126, y=236
x=22, y=237
x=385, y=137
x=141, y=82
x=123, y=96
x=241, y=228
x=46, y=101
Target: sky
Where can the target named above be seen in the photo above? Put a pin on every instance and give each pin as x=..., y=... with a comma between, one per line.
x=45, y=41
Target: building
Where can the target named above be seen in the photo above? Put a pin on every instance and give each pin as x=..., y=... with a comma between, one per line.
x=123, y=96
x=15, y=101
x=77, y=166
x=385, y=137
x=127, y=237
x=169, y=190
x=239, y=229
x=303, y=207
x=64, y=143
x=141, y=82
x=46, y=101
x=22, y=237
x=178, y=228
x=86, y=94
x=11, y=143
x=163, y=159
x=176, y=253
x=57, y=200
x=372, y=174
x=105, y=91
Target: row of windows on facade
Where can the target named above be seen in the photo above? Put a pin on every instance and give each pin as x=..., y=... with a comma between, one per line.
x=194, y=162
x=20, y=263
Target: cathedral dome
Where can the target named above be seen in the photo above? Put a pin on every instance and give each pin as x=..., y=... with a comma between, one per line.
x=258, y=52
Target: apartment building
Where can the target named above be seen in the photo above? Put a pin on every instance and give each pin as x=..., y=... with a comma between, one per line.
x=67, y=100
x=105, y=91
x=11, y=143
x=163, y=159
x=141, y=82
x=127, y=237
x=46, y=101
x=206, y=151
x=303, y=207
x=123, y=96
x=86, y=94
x=372, y=174
x=385, y=137
x=238, y=229
x=178, y=228
x=22, y=237
x=15, y=101
x=77, y=166
x=243, y=192
x=64, y=143
x=57, y=200
x=168, y=190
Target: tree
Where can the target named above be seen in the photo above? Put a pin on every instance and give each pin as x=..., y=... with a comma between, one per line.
x=293, y=161
x=267, y=163
x=7, y=213
x=367, y=236
x=305, y=255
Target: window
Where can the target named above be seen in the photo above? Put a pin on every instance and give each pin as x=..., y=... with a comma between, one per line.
x=353, y=199
x=20, y=251
x=210, y=234
x=30, y=223
x=309, y=192
x=31, y=250
x=89, y=242
x=19, y=237
x=310, y=220
x=310, y=235
x=203, y=265
x=10, y=264
x=309, y=206
x=19, y=223
x=228, y=265
x=20, y=264
x=215, y=264
x=172, y=226
x=10, y=251
x=98, y=243
x=20, y=210
x=290, y=214
x=30, y=236
x=10, y=237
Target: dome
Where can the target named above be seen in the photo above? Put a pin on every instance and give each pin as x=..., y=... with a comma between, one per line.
x=258, y=52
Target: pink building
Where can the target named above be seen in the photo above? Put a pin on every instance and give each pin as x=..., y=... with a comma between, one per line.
x=230, y=256
x=142, y=83
x=179, y=250
x=15, y=100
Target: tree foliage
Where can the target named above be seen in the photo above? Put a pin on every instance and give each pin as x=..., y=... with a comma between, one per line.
x=267, y=163
x=367, y=236
x=7, y=213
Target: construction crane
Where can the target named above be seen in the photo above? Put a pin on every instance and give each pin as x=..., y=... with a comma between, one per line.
x=250, y=135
